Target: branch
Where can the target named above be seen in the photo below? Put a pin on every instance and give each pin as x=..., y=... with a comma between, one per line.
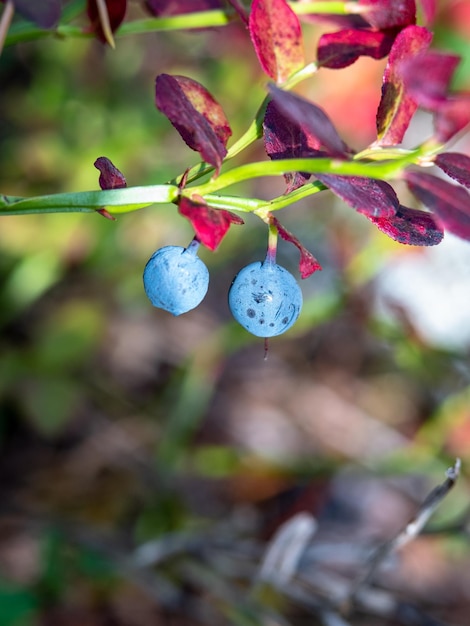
x=411, y=530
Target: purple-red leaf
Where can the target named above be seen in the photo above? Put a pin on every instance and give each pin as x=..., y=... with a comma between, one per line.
x=283, y=139
x=452, y=116
x=312, y=119
x=450, y=203
x=455, y=165
x=110, y=176
x=388, y=13
x=210, y=225
x=44, y=13
x=196, y=115
x=427, y=77
x=412, y=227
x=343, y=48
x=277, y=37
x=374, y=198
x=163, y=8
x=397, y=107
x=308, y=264
x=116, y=10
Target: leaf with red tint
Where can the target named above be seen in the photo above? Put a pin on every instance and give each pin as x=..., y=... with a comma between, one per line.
x=412, y=227
x=343, y=48
x=210, y=225
x=427, y=77
x=374, y=198
x=312, y=119
x=116, y=10
x=308, y=264
x=452, y=116
x=110, y=176
x=455, y=165
x=383, y=14
x=277, y=37
x=396, y=106
x=429, y=11
x=45, y=13
x=164, y=8
x=196, y=115
x=450, y=203
x=283, y=139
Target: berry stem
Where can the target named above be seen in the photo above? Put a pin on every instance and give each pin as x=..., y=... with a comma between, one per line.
x=193, y=246
x=272, y=244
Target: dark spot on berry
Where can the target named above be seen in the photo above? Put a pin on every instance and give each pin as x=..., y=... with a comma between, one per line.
x=272, y=325
x=259, y=298
x=261, y=321
x=253, y=281
x=251, y=313
x=285, y=320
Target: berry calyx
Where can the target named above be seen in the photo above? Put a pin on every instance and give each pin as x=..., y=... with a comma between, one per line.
x=175, y=278
x=265, y=298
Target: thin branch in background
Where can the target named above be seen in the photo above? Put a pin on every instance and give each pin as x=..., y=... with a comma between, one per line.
x=411, y=530
x=5, y=21
x=330, y=618
x=285, y=550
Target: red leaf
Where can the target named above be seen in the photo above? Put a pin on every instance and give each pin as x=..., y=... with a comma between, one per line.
x=283, y=139
x=312, y=119
x=452, y=117
x=343, y=48
x=308, y=264
x=427, y=77
x=110, y=176
x=396, y=106
x=45, y=13
x=409, y=226
x=196, y=115
x=277, y=37
x=116, y=12
x=455, y=165
x=450, y=203
x=210, y=225
x=164, y=8
x=388, y=13
x=373, y=198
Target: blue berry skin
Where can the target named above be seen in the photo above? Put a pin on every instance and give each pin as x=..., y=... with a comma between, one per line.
x=265, y=299
x=175, y=278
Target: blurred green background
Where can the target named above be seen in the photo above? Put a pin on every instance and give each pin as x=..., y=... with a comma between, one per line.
x=120, y=425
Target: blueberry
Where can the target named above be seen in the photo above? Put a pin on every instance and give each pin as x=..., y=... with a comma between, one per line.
x=265, y=299
x=175, y=278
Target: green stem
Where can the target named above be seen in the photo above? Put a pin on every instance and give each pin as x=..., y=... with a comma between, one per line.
x=376, y=170
x=25, y=31
x=319, y=8
x=115, y=201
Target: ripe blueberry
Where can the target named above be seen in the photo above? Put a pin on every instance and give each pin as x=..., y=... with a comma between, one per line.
x=175, y=278
x=265, y=299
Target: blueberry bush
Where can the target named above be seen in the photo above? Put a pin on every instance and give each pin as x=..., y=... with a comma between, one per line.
x=163, y=456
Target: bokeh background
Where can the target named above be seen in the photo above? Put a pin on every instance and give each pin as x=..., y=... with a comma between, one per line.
x=147, y=461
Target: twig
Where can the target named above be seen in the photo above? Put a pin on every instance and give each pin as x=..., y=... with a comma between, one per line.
x=285, y=550
x=411, y=530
